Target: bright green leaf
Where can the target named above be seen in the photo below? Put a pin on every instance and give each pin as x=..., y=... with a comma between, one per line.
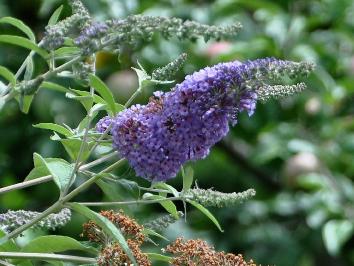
x=159, y=257
x=37, y=172
x=25, y=102
x=55, y=16
x=167, y=187
x=104, y=91
x=29, y=68
x=57, y=128
x=106, y=225
x=148, y=231
x=111, y=191
x=72, y=147
x=60, y=169
x=20, y=25
x=11, y=246
x=167, y=204
x=86, y=101
x=206, y=212
x=2, y=103
x=96, y=98
x=7, y=74
x=25, y=43
x=54, y=87
x=55, y=243
x=335, y=233
x=119, y=107
x=66, y=51
x=187, y=174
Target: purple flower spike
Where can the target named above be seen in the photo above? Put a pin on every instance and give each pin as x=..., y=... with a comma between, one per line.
x=183, y=124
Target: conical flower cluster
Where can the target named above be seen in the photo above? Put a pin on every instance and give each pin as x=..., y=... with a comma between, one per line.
x=183, y=124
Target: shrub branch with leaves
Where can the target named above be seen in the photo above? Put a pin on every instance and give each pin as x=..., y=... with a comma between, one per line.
x=156, y=139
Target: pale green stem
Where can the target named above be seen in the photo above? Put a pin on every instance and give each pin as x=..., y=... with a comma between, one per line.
x=46, y=76
x=58, y=205
x=104, y=134
x=46, y=256
x=131, y=99
x=48, y=178
x=154, y=190
x=83, y=142
x=131, y=202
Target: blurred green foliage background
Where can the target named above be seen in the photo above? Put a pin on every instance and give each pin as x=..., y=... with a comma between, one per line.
x=298, y=153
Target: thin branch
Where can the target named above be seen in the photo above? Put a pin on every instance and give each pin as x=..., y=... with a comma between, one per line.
x=59, y=204
x=83, y=142
x=48, y=178
x=46, y=256
x=131, y=202
x=28, y=183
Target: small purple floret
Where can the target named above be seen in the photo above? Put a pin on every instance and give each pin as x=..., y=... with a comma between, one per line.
x=103, y=124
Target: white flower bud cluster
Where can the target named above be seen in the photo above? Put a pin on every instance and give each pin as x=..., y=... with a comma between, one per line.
x=11, y=220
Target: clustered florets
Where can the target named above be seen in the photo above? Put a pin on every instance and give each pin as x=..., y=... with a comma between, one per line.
x=167, y=72
x=183, y=124
x=209, y=197
x=162, y=222
x=55, y=34
x=89, y=38
x=197, y=252
x=129, y=227
x=11, y=220
x=112, y=253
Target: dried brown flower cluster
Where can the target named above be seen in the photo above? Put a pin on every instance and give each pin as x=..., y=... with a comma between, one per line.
x=129, y=227
x=194, y=252
x=112, y=254
x=199, y=253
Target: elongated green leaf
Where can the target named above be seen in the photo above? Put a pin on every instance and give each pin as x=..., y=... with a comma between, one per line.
x=207, y=213
x=148, y=231
x=104, y=91
x=167, y=204
x=159, y=257
x=106, y=226
x=20, y=25
x=25, y=43
x=11, y=245
x=119, y=107
x=335, y=233
x=167, y=187
x=187, y=178
x=72, y=147
x=24, y=102
x=96, y=98
x=55, y=243
x=55, y=16
x=7, y=74
x=53, y=86
x=57, y=128
x=29, y=68
x=60, y=169
x=66, y=51
x=2, y=103
x=37, y=172
x=86, y=101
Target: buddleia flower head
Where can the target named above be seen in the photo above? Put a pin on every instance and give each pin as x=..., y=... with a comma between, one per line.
x=183, y=124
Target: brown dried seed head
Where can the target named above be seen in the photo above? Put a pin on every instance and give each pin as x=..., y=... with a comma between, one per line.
x=197, y=252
